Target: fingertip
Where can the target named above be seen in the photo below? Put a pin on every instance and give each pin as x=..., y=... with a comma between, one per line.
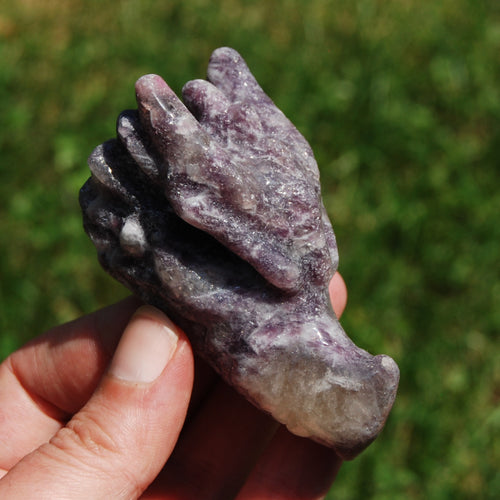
x=157, y=100
x=146, y=347
x=224, y=56
x=228, y=71
x=338, y=294
x=203, y=99
x=147, y=84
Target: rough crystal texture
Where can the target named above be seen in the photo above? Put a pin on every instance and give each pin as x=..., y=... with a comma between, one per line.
x=212, y=212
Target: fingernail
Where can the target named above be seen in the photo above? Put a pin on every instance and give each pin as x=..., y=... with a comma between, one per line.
x=147, y=345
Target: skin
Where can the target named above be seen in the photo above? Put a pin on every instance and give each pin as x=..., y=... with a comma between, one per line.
x=82, y=417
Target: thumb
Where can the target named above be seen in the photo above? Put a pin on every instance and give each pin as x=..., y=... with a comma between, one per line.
x=118, y=442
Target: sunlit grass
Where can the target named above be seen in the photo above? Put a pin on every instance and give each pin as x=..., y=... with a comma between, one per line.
x=400, y=101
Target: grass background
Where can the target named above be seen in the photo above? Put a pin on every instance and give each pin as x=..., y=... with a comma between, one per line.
x=400, y=101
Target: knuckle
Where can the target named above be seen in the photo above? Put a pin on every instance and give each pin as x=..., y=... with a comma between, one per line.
x=85, y=432
x=86, y=445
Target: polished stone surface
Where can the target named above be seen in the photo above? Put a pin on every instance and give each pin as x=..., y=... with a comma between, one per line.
x=212, y=212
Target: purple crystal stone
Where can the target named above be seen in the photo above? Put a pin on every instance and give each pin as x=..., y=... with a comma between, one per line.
x=212, y=212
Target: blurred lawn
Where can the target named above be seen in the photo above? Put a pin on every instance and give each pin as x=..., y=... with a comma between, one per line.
x=400, y=101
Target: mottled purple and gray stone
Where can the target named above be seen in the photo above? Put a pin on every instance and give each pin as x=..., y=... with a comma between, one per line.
x=212, y=212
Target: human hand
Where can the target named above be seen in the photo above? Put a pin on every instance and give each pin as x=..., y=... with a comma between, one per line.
x=231, y=147
x=77, y=421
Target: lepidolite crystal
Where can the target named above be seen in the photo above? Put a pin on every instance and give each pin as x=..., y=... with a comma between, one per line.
x=212, y=212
